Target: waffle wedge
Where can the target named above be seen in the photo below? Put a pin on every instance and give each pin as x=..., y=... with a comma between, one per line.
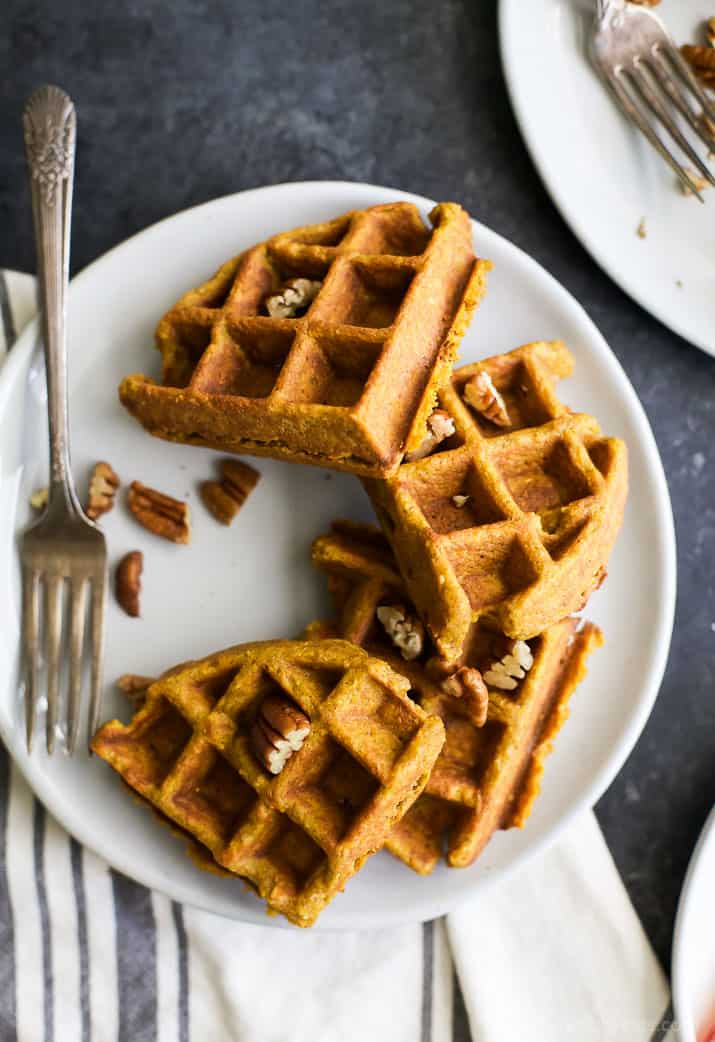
x=393, y=300
x=508, y=523
x=299, y=835
x=488, y=773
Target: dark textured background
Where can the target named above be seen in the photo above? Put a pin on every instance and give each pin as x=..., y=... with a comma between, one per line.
x=180, y=102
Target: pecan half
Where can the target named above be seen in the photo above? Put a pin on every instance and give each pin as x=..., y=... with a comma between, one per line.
x=293, y=298
x=225, y=498
x=440, y=426
x=160, y=514
x=127, y=583
x=103, y=486
x=468, y=686
x=483, y=396
x=404, y=630
x=279, y=730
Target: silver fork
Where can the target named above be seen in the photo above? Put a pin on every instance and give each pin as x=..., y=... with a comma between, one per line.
x=63, y=549
x=651, y=81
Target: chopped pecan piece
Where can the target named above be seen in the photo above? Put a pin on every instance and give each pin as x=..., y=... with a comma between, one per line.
x=483, y=396
x=701, y=58
x=698, y=180
x=404, y=630
x=39, y=498
x=225, y=498
x=440, y=426
x=279, y=730
x=160, y=514
x=468, y=686
x=103, y=486
x=294, y=297
x=506, y=672
x=128, y=582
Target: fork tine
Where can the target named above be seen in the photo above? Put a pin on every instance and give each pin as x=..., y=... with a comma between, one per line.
x=698, y=121
x=688, y=76
x=641, y=79
x=78, y=594
x=30, y=589
x=99, y=592
x=634, y=113
x=53, y=596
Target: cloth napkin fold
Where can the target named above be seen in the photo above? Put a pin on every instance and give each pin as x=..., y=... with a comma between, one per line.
x=554, y=952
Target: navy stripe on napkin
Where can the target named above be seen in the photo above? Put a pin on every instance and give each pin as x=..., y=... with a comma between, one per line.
x=136, y=960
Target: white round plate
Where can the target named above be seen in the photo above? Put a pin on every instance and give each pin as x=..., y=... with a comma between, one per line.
x=254, y=580
x=694, y=943
x=602, y=175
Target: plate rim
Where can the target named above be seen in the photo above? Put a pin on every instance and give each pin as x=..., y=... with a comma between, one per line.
x=682, y=917
x=507, y=17
x=430, y=907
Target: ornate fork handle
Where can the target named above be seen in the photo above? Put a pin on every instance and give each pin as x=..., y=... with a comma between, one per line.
x=49, y=123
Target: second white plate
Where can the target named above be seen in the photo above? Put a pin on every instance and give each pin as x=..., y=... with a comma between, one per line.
x=602, y=175
x=694, y=944
x=254, y=580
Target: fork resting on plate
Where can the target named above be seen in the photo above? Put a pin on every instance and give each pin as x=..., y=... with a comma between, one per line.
x=64, y=555
x=654, y=85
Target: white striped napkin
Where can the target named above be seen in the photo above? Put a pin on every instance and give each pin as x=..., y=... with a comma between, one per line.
x=86, y=955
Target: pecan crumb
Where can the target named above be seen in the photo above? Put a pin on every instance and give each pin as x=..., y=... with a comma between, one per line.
x=440, y=426
x=699, y=180
x=404, y=630
x=512, y=667
x=103, y=486
x=225, y=498
x=39, y=498
x=160, y=514
x=293, y=298
x=641, y=230
x=483, y=396
x=128, y=582
x=279, y=731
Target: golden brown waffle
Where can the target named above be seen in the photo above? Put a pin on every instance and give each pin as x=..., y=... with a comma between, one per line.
x=488, y=776
x=544, y=503
x=296, y=837
x=394, y=301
